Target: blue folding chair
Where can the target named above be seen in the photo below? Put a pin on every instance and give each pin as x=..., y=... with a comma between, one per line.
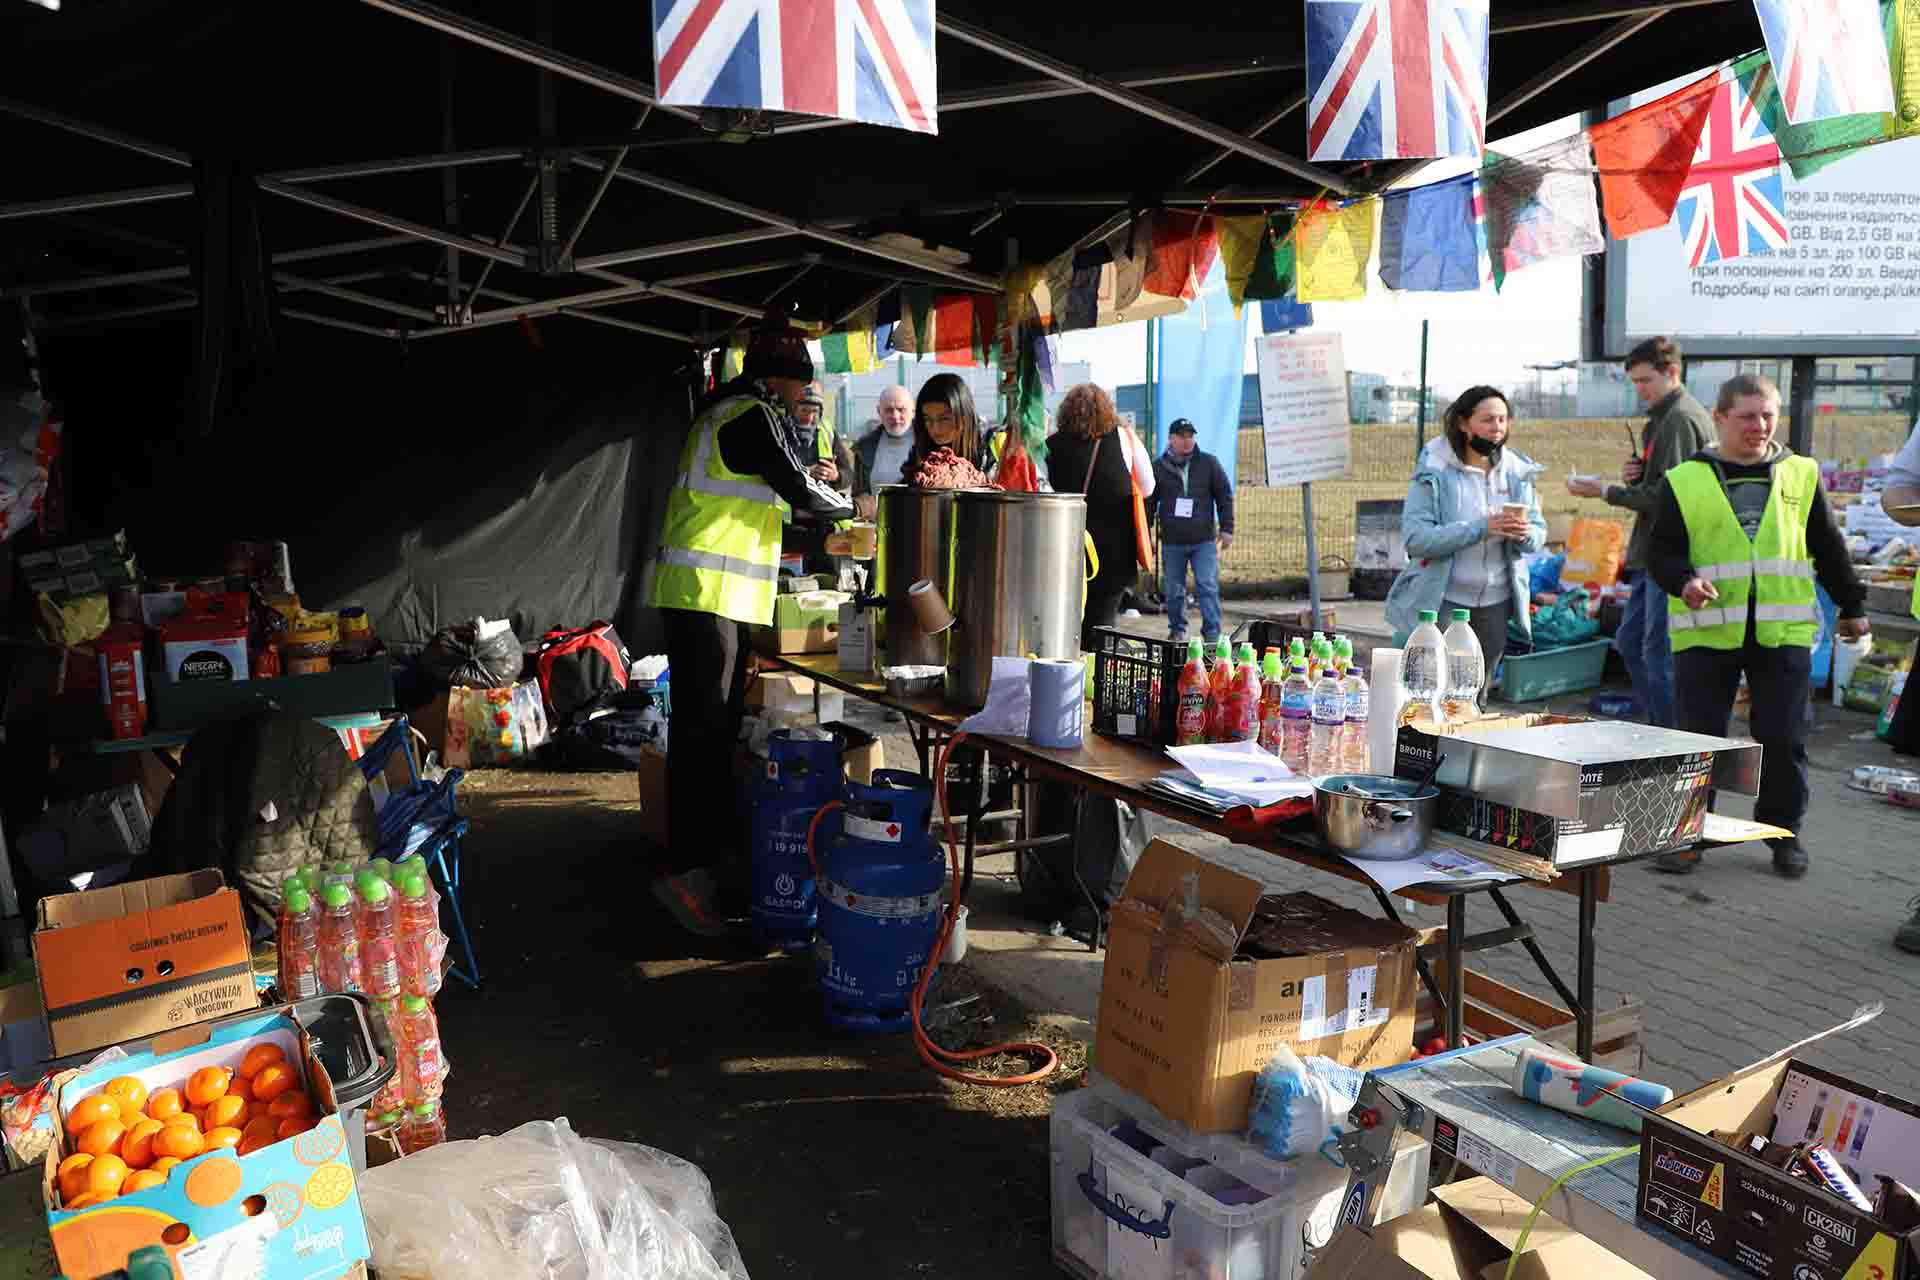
x=424, y=819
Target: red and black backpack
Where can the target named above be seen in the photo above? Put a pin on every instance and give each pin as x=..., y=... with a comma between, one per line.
x=578, y=668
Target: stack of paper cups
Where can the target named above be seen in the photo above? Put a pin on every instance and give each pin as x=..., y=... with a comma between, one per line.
x=1385, y=700
x=1058, y=690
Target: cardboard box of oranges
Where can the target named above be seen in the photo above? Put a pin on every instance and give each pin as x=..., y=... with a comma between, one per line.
x=227, y=1150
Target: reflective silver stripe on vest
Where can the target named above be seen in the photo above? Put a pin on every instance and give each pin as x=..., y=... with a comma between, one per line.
x=720, y=564
x=699, y=481
x=1692, y=619
x=1746, y=569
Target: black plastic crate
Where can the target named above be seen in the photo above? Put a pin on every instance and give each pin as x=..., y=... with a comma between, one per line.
x=1136, y=679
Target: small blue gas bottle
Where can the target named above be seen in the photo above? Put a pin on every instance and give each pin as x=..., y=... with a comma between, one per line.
x=800, y=776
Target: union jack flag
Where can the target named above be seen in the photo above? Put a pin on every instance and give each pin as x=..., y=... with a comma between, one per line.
x=865, y=60
x=1733, y=204
x=1396, y=79
x=1831, y=56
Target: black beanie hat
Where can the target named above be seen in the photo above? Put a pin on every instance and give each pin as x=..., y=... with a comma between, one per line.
x=777, y=352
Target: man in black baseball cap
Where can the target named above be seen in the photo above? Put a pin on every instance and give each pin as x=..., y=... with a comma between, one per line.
x=1194, y=501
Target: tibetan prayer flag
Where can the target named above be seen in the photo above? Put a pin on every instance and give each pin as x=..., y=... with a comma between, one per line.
x=1806, y=148
x=1540, y=205
x=953, y=341
x=1333, y=245
x=1083, y=291
x=1396, y=79
x=1643, y=156
x=1184, y=246
x=986, y=326
x=849, y=352
x=1274, y=268
x=1130, y=251
x=1240, y=240
x=1283, y=314
x=1734, y=204
x=1258, y=255
x=1429, y=242
x=1902, y=20
x=1831, y=57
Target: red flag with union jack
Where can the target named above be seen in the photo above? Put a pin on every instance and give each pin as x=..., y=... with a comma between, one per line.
x=1733, y=204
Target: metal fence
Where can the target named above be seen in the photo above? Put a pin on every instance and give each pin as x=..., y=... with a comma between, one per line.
x=1270, y=544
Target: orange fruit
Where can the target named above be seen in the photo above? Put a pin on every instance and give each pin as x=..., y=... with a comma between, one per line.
x=91, y=1110
x=259, y=1056
x=240, y=1087
x=227, y=1111
x=103, y=1138
x=86, y=1201
x=130, y=1113
x=186, y=1120
x=227, y=1137
x=137, y=1147
x=164, y=1104
x=273, y=1080
x=164, y=1165
x=251, y=1142
x=294, y=1124
x=128, y=1090
x=290, y=1104
x=142, y=1180
x=105, y=1175
x=206, y=1084
x=73, y=1177
x=178, y=1141
x=262, y=1124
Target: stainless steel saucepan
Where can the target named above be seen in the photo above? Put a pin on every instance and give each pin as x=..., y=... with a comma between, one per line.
x=1371, y=815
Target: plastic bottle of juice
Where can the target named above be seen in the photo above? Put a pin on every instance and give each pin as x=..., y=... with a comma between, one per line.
x=1329, y=705
x=299, y=944
x=416, y=1036
x=1271, y=677
x=426, y=1126
x=339, y=941
x=1219, y=691
x=1296, y=717
x=1190, y=721
x=418, y=921
x=382, y=868
x=1423, y=672
x=1316, y=655
x=1246, y=697
x=1356, y=750
x=379, y=940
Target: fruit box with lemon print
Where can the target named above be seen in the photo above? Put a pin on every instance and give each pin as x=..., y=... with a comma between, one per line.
x=273, y=1200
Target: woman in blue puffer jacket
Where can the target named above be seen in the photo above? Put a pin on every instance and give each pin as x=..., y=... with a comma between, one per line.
x=1464, y=529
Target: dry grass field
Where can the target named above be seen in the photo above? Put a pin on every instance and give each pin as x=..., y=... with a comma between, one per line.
x=1270, y=545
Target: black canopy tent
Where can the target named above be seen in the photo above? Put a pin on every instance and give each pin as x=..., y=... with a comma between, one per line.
x=494, y=176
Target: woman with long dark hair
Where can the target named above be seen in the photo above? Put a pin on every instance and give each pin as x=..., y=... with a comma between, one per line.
x=1471, y=515
x=944, y=418
x=1088, y=453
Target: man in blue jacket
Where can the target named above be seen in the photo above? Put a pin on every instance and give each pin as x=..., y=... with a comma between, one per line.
x=1194, y=500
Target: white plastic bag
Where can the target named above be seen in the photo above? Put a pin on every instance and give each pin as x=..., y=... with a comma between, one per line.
x=1299, y=1106
x=542, y=1203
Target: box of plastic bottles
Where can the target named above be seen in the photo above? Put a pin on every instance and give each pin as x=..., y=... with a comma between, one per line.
x=269, y=1206
x=1128, y=1203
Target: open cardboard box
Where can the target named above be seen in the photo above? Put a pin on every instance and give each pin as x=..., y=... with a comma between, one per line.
x=289, y=1209
x=141, y=957
x=1188, y=1029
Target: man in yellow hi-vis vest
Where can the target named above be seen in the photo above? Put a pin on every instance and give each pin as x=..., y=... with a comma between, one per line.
x=1901, y=500
x=717, y=570
x=1741, y=536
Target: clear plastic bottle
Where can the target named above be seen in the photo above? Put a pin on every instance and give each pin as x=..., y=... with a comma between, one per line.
x=417, y=922
x=339, y=941
x=379, y=939
x=416, y=1035
x=1246, y=697
x=1296, y=717
x=1329, y=720
x=1219, y=691
x=1190, y=721
x=1271, y=677
x=1423, y=671
x=426, y=1126
x=299, y=944
x=1356, y=753
x=1466, y=668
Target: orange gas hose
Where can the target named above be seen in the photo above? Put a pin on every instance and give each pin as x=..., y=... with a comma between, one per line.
x=931, y=1053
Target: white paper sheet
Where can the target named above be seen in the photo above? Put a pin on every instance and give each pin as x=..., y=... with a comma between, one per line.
x=1009, y=701
x=1243, y=769
x=1436, y=865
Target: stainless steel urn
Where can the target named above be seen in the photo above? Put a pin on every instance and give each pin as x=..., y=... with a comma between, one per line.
x=915, y=525
x=1019, y=569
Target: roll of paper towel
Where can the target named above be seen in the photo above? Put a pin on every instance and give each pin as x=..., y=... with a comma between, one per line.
x=1058, y=692
x=1385, y=699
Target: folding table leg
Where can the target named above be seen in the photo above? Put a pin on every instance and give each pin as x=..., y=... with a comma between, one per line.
x=450, y=887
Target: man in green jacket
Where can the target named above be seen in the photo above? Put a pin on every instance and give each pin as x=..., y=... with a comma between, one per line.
x=1678, y=426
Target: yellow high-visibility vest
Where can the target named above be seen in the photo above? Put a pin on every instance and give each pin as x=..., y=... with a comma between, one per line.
x=1773, y=570
x=720, y=543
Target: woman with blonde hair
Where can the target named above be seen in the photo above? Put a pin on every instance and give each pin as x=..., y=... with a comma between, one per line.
x=1086, y=454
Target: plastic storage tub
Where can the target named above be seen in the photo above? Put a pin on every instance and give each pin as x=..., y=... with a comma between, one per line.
x=1548, y=673
x=1120, y=1212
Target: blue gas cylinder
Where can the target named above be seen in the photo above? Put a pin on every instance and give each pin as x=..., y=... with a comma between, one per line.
x=880, y=903
x=801, y=774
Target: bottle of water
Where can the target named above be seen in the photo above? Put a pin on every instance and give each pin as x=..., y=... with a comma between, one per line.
x=1296, y=717
x=1466, y=668
x=1423, y=667
x=1329, y=719
x=1356, y=754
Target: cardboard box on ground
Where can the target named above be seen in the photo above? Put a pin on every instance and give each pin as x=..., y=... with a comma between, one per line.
x=104, y=821
x=1188, y=1017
